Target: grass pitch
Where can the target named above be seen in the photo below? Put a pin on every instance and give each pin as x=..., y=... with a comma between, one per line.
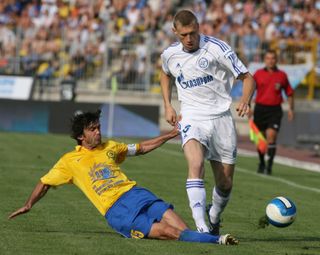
x=65, y=222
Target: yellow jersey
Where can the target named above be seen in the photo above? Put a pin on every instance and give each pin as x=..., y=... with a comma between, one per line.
x=96, y=172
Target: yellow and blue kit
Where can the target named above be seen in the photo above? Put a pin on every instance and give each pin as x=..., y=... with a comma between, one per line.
x=98, y=174
x=135, y=212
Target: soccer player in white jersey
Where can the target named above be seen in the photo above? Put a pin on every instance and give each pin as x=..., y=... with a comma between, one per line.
x=205, y=69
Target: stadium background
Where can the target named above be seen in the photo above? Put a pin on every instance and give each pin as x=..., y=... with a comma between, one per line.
x=81, y=54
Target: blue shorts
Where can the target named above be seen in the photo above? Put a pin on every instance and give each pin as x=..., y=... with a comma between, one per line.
x=135, y=211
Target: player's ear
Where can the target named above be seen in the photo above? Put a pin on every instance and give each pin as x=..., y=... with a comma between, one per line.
x=174, y=30
x=80, y=137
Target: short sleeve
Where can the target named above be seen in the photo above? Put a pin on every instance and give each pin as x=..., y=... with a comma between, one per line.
x=226, y=56
x=164, y=61
x=121, y=151
x=58, y=175
x=288, y=89
x=233, y=63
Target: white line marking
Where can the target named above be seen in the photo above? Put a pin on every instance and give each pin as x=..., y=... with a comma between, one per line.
x=286, y=161
x=303, y=165
x=278, y=179
x=268, y=177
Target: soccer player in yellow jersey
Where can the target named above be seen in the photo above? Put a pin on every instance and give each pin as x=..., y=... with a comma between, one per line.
x=132, y=211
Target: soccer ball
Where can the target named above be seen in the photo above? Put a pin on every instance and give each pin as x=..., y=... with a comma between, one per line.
x=281, y=212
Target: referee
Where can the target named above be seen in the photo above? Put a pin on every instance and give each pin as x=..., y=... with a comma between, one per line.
x=270, y=83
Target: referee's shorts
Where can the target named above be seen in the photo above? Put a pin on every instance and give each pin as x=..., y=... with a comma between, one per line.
x=266, y=116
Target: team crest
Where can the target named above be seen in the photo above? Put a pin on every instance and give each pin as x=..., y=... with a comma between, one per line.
x=203, y=63
x=277, y=86
x=111, y=154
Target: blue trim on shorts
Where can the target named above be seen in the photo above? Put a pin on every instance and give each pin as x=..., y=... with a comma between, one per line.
x=133, y=214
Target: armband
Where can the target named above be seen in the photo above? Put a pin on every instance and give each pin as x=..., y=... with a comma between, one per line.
x=132, y=149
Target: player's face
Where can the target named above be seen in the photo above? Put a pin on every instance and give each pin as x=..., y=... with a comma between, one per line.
x=91, y=136
x=270, y=60
x=188, y=36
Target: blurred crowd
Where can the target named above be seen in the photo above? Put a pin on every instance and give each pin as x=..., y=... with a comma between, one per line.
x=83, y=38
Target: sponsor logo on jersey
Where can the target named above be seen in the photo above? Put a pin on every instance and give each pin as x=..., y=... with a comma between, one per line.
x=104, y=178
x=203, y=63
x=100, y=171
x=194, y=82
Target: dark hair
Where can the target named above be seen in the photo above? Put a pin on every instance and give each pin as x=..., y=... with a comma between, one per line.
x=270, y=51
x=184, y=18
x=80, y=121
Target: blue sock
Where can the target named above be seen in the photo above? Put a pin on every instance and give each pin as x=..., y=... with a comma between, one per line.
x=194, y=236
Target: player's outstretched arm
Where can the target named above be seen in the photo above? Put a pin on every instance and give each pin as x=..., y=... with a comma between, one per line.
x=249, y=86
x=149, y=145
x=39, y=191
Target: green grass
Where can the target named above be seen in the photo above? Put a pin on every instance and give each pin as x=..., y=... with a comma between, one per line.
x=64, y=222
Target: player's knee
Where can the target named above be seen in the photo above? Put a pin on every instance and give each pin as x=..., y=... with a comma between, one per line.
x=225, y=187
x=196, y=168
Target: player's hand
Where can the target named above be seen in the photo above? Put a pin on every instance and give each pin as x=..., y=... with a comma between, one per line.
x=176, y=130
x=171, y=115
x=22, y=210
x=250, y=114
x=243, y=109
x=290, y=115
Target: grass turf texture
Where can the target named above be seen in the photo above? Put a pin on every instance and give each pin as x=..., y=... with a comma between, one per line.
x=65, y=222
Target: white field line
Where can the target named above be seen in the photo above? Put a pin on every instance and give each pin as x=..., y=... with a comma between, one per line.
x=267, y=177
x=285, y=161
x=278, y=159
x=278, y=179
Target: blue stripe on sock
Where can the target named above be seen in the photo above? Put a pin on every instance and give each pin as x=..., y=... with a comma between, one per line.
x=194, y=184
x=190, y=187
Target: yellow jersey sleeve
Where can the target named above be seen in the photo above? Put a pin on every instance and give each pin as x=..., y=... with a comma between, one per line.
x=58, y=175
x=124, y=150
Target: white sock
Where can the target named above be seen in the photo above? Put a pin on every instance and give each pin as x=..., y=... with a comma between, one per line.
x=197, y=202
x=218, y=204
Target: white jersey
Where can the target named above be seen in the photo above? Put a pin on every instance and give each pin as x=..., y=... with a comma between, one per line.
x=204, y=78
